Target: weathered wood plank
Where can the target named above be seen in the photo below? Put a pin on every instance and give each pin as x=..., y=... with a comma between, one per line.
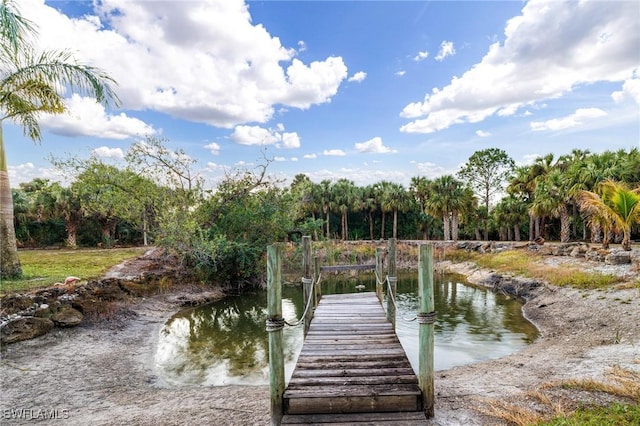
x=348, y=380
x=341, y=268
x=352, y=361
x=391, y=418
x=352, y=372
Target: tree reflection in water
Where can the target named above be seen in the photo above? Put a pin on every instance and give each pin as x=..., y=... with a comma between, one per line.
x=226, y=342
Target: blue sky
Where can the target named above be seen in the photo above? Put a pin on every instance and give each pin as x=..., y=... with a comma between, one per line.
x=364, y=90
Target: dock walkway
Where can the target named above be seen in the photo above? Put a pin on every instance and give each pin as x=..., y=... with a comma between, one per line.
x=352, y=369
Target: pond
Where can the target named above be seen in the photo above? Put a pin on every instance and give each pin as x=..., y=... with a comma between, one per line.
x=225, y=342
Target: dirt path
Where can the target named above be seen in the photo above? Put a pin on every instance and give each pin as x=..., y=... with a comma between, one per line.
x=103, y=374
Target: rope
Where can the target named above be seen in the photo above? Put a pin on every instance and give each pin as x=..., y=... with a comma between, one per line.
x=275, y=324
x=426, y=317
x=311, y=295
x=392, y=296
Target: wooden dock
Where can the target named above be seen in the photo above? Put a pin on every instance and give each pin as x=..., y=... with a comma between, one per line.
x=352, y=369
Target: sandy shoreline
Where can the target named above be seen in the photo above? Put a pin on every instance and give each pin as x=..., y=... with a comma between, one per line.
x=103, y=374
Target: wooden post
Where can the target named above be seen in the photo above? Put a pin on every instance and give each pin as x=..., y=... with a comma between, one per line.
x=393, y=283
x=307, y=282
x=426, y=318
x=379, y=273
x=275, y=323
x=316, y=278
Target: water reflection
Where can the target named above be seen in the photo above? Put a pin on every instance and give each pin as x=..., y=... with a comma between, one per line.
x=226, y=343
x=472, y=325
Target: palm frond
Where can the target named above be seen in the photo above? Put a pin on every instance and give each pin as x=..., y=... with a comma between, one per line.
x=13, y=27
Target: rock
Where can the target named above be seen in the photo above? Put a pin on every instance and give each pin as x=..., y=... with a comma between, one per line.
x=596, y=255
x=618, y=257
x=635, y=260
x=67, y=317
x=42, y=311
x=24, y=328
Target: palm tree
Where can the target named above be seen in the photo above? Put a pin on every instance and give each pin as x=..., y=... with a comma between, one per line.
x=420, y=188
x=447, y=200
x=324, y=199
x=29, y=83
x=616, y=207
x=396, y=199
x=345, y=199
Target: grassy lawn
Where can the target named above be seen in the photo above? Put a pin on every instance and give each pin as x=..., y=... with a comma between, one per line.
x=42, y=268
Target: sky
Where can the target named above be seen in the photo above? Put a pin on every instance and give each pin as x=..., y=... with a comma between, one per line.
x=363, y=90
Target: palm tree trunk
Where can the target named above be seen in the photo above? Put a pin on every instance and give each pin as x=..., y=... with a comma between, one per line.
x=382, y=232
x=595, y=232
x=516, y=231
x=395, y=223
x=532, y=229
x=565, y=225
x=9, y=262
x=454, y=226
x=445, y=221
x=328, y=233
x=370, y=225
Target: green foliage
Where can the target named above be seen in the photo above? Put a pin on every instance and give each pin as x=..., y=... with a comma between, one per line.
x=614, y=414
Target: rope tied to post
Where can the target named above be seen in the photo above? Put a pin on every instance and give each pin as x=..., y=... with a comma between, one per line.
x=426, y=317
x=305, y=282
x=275, y=324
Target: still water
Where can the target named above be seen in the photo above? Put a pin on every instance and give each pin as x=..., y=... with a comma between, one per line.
x=226, y=343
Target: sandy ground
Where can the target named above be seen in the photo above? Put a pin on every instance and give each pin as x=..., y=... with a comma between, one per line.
x=103, y=374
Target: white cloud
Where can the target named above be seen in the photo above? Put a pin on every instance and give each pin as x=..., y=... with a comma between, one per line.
x=401, y=73
x=310, y=156
x=106, y=152
x=576, y=119
x=256, y=135
x=222, y=71
x=302, y=46
x=421, y=56
x=86, y=117
x=431, y=170
x=630, y=90
x=373, y=146
x=482, y=133
x=358, y=77
x=549, y=49
x=27, y=172
x=446, y=49
x=529, y=159
x=279, y=159
x=214, y=148
x=334, y=153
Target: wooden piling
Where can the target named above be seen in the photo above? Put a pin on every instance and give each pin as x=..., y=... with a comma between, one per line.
x=426, y=318
x=393, y=283
x=379, y=273
x=307, y=282
x=275, y=323
x=316, y=279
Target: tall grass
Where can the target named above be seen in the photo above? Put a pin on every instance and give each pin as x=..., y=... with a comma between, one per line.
x=530, y=265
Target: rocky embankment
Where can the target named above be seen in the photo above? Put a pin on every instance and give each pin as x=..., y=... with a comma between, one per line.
x=24, y=316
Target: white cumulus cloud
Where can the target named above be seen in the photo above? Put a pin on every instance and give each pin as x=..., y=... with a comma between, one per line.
x=213, y=147
x=106, y=152
x=446, y=49
x=358, y=77
x=373, y=146
x=578, y=118
x=482, y=133
x=86, y=117
x=256, y=135
x=203, y=61
x=421, y=56
x=334, y=153
x=548, y=50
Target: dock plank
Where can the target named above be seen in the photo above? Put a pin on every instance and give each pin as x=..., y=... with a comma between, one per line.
x=352, y=362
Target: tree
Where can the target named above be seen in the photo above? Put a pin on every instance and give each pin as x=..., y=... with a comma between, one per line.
x=485, y=172
x=615, y=207
x=448, y=199
x=29, y=85
x=396, y=199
